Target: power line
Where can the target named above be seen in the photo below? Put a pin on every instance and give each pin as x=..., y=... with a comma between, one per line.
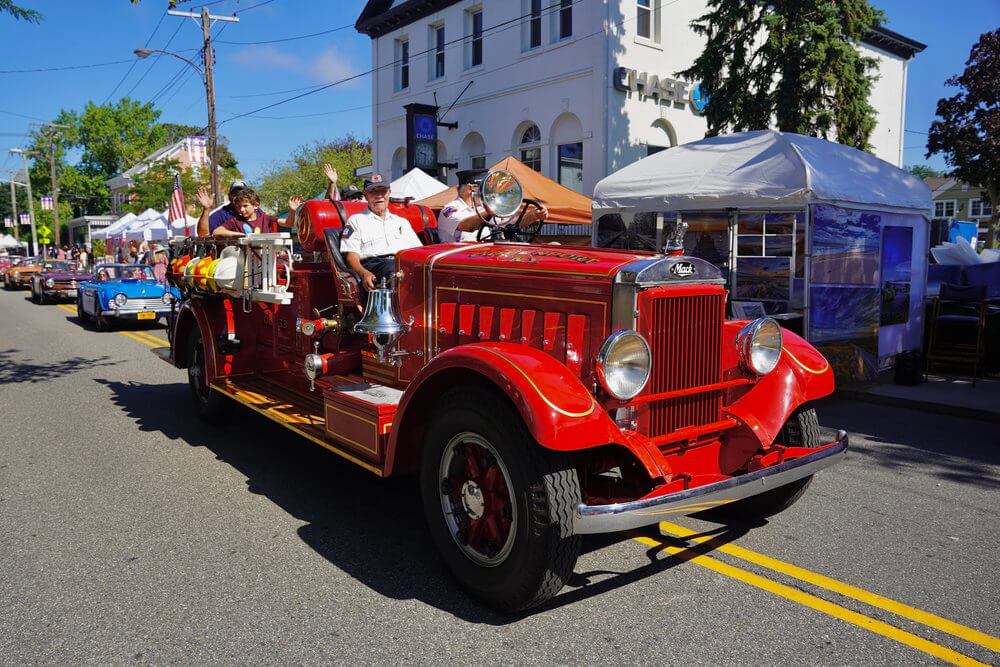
x=458, y=40
x=259, y=4
x=66, y=67
x=290, y=39
x=156, y=60
x=21, y=115
x=134, y=62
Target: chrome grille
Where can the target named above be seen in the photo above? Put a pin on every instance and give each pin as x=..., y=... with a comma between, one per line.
x=685, y=335
x=144, y=304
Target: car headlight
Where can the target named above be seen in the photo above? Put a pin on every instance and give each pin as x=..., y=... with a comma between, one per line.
x=50, y=283
x=120, y=300
x=624, y=364
x=167, y=298
x=759, y=345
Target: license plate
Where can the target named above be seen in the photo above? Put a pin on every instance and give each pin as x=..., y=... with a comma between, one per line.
x=148, y=315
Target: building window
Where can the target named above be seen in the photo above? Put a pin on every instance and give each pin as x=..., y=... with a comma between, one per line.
x=944, y=209
x=565, y=18
x=979, y=208
x=402, y=64
x=647, y=19
x=571, y=166
x=436, y=51
x=475, y=25
x=535, y=24
x=531, y=151
x=478, y=161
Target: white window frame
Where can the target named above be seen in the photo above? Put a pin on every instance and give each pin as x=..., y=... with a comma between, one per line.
x=469, y=15
x=654, y=21
x=531, y=145
x=555, y=9
x=433, y=49
x=397, y=53
x=985, y=208
x=526, y=25
x=942, y=202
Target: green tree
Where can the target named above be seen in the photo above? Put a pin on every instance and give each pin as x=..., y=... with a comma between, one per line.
x=154, y=187
x=793, y=62
x=967, y=131
x=19, y=13
x=175, y=132
x=923, y=171
x=303, y=175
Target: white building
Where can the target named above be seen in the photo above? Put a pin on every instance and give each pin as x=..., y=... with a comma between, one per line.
x=543, y=80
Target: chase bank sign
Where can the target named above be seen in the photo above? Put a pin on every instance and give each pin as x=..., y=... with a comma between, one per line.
x=663, y=89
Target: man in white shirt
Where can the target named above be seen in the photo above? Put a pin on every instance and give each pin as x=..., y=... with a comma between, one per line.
x=458, y=220
x=372, y=238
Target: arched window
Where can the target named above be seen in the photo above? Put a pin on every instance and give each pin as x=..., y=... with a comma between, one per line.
x=474, y=150
x=567, y=135
x=398, y=163
x=531, y=150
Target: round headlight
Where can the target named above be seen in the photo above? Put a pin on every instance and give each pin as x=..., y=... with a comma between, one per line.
x=120, y=300
x=759, y=345
x=50, y=283
x=624, y=364
x=167, y=298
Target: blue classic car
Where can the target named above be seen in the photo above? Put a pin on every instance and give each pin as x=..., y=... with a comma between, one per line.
x=122, y=292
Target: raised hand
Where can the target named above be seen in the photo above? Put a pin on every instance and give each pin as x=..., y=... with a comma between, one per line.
x=204, y=198
x=294, y=202
x=330, y=172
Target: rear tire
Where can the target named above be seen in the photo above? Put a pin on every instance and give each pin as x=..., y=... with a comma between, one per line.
x=210, y=406
x=499, y=507
x=801, y=430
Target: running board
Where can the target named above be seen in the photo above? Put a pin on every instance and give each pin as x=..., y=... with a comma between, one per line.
x=295, y=411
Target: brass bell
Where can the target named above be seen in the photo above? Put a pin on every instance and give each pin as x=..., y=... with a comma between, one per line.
x=381, y=320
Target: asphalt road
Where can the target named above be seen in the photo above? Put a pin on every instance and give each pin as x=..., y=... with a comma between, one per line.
x=132, y=533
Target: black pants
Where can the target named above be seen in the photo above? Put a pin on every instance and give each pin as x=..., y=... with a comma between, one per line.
x=383, y=266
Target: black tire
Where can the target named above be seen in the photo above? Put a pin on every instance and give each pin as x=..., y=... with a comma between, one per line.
x=210, y=406
x=34, y=294
x=81, y=316
x=542, y=492
x=801, y=430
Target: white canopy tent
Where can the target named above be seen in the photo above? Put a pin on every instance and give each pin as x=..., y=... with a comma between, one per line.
x=115, y=228
x=151, y=229
x=802, y=226
x=417, y=184
x=7, y=241
x=761, y=169
x=177, y=227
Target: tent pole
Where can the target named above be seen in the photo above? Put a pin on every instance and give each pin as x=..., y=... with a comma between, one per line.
x=807, y=279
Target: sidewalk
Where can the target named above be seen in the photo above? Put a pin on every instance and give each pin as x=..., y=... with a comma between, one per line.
x=948, y=396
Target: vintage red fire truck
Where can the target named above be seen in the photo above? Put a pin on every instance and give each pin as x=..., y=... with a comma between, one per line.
x=540, y=392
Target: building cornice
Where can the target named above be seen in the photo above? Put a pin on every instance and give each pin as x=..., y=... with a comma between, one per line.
x=892, y=42
x=380, y=17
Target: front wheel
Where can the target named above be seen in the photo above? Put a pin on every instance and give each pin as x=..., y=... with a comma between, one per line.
x=210, y=406
x=81, y=315
x=34, y=294
x=801, y=430
x=499, y=507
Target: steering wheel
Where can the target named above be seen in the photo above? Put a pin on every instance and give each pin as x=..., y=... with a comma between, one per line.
x=515, y=232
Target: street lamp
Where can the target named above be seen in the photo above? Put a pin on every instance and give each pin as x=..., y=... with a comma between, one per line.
x=206, y=78
x=31, y=204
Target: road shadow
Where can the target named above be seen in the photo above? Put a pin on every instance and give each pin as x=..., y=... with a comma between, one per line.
x=372, y=529
x=14, y=370
x=964, y=451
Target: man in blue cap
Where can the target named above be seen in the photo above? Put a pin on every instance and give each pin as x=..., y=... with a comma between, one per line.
x=372, y=238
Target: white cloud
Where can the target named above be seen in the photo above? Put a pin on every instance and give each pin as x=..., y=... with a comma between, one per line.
x=329, y=65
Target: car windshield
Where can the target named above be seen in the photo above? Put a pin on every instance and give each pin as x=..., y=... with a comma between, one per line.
x=123, y=272
x=60, y=265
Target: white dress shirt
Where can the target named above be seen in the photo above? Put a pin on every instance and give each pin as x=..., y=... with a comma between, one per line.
x=452, y=214
x=370, y=236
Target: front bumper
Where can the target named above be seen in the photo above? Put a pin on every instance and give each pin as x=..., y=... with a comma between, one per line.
x=638, y=513
x=57, y=293
x=126, y=314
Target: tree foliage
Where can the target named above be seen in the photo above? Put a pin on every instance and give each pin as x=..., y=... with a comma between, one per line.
x=923, y=171
x=967, y=131
x=19, y=13
x=154, y=186
x=793, y=62
x=303, y=174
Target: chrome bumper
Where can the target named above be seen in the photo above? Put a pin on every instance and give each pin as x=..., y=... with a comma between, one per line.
x=132, y=312
x=638, y=513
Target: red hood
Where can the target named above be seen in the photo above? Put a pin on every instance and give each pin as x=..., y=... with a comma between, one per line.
x=545, y=259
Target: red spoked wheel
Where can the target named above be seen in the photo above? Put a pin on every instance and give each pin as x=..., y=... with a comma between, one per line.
x=479, y=508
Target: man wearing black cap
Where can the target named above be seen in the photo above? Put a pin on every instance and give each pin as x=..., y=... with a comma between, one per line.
x=371, y=239
x=460, y=222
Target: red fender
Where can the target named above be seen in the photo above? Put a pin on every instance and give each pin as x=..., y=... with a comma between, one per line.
x=802, y=375
x=557, y=408
x=193, y=313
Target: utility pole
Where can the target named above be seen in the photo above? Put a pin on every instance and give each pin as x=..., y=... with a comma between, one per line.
x=13, y=204
x=31, y=204
x=54, y=128
x=206, y=33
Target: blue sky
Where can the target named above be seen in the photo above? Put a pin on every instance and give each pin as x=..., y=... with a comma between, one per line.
x=250, y=76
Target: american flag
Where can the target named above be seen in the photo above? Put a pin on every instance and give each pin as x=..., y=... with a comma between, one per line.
x=197, y=150
x=176, y=211
x=46, y=202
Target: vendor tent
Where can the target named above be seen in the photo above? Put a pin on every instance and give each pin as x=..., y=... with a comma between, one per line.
x=187, y=227
x=763, y=168
x=8, y=241
x=565, y=206
x=806, y=229
x=116, y=227
x=150, y=229
x=416, y=184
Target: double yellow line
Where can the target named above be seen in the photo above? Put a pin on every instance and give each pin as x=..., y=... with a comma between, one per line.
x=697, y=557
x=144, y=337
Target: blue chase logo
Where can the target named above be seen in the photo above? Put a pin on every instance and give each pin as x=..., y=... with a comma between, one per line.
x=699, y=100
